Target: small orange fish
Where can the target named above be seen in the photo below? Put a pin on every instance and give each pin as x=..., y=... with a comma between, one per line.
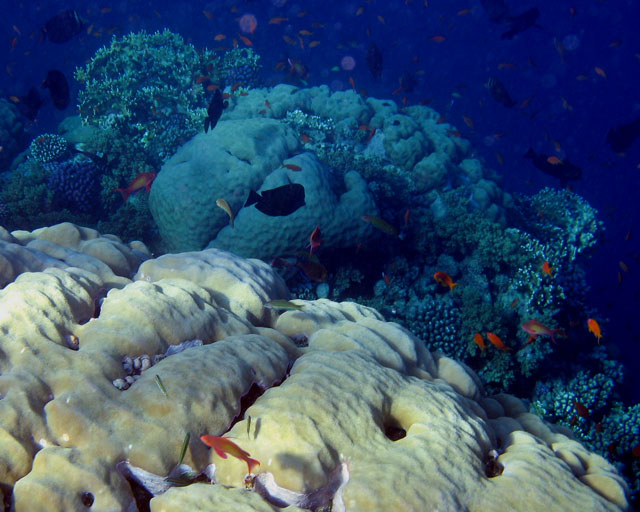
x=305, y=32
x=547, y=269
x=292, y=167
x=535, y=329
x=143, y=180
x=352, y=83
x=223, y=446
x=381, y=20
x=497, y=342
x=219, y=37
x=212, y=87
x=600, y=72
x=438, y=39
x=468, y=121
x=554, y=160
x=594, y=328
x=105, y=10
x=202, y=78
x=462, y=12
x=479, y=340
x=15, y=99
x=277, y=21
x=313, y=44
x=514, y=303
x=208, y=14
x=581, y=409
x=305, y=138
x=245, y=40
x=623, y=266
x=315, y=240
x=359, y=11
x=444, y=279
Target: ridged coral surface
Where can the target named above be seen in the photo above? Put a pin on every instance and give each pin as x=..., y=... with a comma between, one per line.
x=405, y=429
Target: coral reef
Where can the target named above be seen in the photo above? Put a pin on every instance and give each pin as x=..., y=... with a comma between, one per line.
x=13, y=137
x=48, y=148
x=404, y=426
x=75, y=184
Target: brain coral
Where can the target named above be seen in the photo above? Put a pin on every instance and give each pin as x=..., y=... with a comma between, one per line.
x=356, y=415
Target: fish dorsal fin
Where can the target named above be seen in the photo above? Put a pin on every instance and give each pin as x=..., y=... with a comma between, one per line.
x=253, y=198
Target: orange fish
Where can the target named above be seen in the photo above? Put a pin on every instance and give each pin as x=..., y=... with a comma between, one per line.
x=277, y=21
x=581, y=409
x=359, y=11
x=208, y=14
x=352, y=82
x=594, y=328
x=313, y=44
x=547, y=269
x=444, y=279
x=143, y=180
x=497, y=342
x=219, y=37
x=245, y=40
x=554, y=160
x=292, y=167
x=305, y=32
x=623, y=266
x=224, y=446
x=314, y=240
x=267, y=104
x=479, y=340
x=437, y=39
x=600, y=72
x=535, y=329
x=202, y=78
x=468, y=121
x=462, y=12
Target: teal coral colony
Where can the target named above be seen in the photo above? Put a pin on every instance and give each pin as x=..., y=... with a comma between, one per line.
x=363, y=346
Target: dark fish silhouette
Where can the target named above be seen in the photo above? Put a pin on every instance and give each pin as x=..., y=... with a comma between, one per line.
x=374, y=60
x=565, y=171
x=621, y=137
x=408, y=81
x=279, y=201
x=216, y=106
x=497, y=10
x=522, y=22
x=499, y=92
x=63, y=26
x=30, y=104
x=58, y=88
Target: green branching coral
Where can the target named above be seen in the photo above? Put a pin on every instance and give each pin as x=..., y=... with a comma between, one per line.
x=142, y=87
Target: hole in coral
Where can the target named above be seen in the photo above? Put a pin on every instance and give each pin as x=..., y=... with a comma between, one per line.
x=394, y=432
x=492, y=467
x=86, y=498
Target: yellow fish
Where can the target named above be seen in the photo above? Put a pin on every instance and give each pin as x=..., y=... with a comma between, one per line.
x=225, y=206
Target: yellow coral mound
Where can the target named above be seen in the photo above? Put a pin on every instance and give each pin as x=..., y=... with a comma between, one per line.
x=341, y=408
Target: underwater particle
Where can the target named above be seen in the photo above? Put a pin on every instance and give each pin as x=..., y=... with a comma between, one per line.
x=571, y=42
x=348, y=63
x=248, y=23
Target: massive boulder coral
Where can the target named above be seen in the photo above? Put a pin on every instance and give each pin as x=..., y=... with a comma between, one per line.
x=341, y=408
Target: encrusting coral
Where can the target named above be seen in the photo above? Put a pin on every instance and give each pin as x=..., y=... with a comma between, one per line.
x=341, y=408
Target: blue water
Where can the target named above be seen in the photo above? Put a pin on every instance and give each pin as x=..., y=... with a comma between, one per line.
x=568, y=100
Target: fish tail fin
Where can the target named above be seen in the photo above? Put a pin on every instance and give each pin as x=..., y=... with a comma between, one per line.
x=125, y=193
x=252, y=199
x=252, y=463
x=453, y=285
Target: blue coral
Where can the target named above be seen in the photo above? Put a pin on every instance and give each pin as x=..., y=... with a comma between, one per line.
x=75, y=184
